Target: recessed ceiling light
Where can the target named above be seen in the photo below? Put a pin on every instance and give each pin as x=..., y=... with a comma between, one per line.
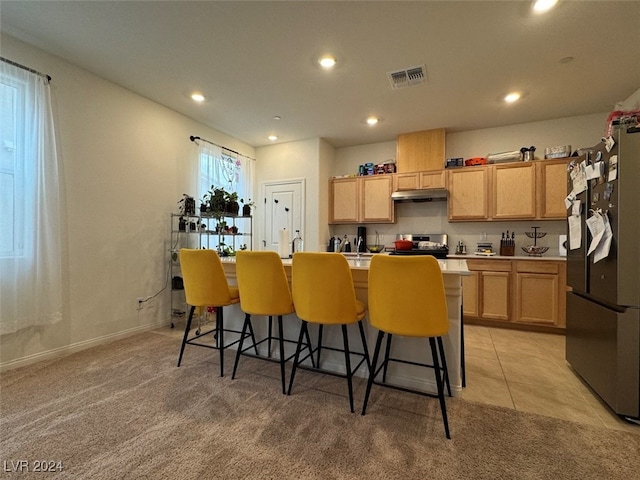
x=273, y=138
x=512, y=97
x=197, y=97
x=277, y=117
x=372, y=120
x=327, y=61
x=566, y=60
x=542, y=6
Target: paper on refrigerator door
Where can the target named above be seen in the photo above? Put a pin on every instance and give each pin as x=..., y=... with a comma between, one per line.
x=594, y=171
x=578, y=178
x=575, y=232
x=613, y=168
x=603, y=248
x=596, y=227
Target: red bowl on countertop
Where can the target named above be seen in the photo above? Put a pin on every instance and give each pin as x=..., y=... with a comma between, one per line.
x=403, y=244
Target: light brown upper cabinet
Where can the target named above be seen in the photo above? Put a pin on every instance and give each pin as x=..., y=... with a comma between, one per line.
x=514, y=191
x=419, y=180
x=469, y=193
x=420, y=151
x=344, y=200
x=552, y=188
x=361, y=200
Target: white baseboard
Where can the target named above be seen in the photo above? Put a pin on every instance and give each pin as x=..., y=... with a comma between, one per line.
x=78, y=346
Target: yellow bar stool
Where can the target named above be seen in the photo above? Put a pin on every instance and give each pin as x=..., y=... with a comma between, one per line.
x=323, y=294
x=264, y=291
x=407, y=298
x=205, y=285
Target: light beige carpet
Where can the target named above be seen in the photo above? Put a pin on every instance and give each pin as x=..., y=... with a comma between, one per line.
x=124, y=411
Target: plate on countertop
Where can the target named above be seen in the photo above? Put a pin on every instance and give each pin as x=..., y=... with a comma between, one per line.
x=485, y=254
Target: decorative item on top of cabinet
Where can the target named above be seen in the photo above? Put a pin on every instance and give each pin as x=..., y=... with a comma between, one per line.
x=420, y=151
x=361, y=200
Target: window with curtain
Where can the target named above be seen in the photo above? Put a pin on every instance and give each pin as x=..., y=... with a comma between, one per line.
x=30, y=204
x=222, y=168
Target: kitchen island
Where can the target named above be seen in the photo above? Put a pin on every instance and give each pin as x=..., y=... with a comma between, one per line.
x=411, y=349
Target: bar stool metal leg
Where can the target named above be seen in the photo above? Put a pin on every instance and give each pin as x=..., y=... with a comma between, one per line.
x=282, y=359
x=443, y=406
x=363, y=337
x=347, y=362
x=319, y=344
x=444, y=365
x=245, y=326
x=372, y=370
x=386, y=358
x=296, y=358
x=186, y=334
x=220, y=337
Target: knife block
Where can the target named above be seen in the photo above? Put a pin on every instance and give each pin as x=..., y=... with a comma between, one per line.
x=507, y=250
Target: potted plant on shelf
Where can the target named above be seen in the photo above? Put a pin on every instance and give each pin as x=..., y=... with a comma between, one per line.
x=221, y=226
x=216, y=197
x=204, y=205
x=246, y=207
x=186, y=205
x=232, y=206
x=225, y=250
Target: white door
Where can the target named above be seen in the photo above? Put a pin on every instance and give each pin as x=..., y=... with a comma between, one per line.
x=284, y=208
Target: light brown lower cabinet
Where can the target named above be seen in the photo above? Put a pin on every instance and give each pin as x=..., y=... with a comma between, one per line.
x=487, y=290
x=518, y=293
x=539, y=295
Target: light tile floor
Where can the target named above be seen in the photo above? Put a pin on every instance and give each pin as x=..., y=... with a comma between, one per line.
x=528, y=372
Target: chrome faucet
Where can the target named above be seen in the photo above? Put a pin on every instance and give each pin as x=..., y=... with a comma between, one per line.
x=360, y=240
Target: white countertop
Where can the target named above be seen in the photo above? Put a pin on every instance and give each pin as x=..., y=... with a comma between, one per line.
x=453, y=266
x=472, y=256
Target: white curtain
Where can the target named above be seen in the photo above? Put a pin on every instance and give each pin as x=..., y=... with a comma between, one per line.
x=31, y=253
x=222, y=168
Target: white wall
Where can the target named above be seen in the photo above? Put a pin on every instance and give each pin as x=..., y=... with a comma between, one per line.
x=349, y=158
x=306, y=159
x=124, y=161
x=582, y=131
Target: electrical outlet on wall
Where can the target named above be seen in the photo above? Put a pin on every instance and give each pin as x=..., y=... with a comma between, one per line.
x=140, y=301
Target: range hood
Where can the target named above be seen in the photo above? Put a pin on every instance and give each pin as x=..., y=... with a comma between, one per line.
x=422, y=195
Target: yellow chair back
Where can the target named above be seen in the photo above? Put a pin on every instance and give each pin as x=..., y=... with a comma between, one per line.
x=322, y=288
x=205, y=283
x=263, y=284
x=407, y=297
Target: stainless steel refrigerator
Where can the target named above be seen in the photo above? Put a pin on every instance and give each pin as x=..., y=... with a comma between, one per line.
x=603, y=306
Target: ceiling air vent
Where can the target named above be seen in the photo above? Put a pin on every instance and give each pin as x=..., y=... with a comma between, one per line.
x=407, y=77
